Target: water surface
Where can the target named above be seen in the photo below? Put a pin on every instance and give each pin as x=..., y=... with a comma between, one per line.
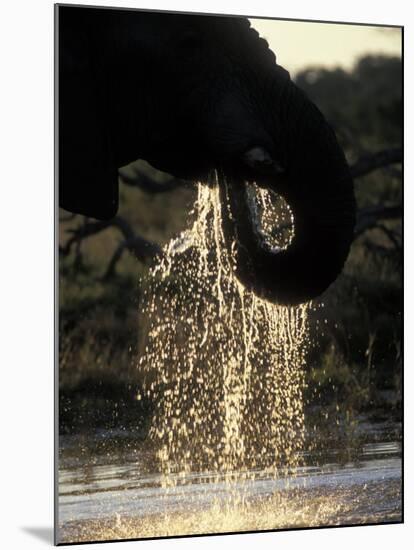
x=111, y=488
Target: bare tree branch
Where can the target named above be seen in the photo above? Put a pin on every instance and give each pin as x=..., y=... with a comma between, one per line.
x=138, y=178
x=141, y=248
x=136, y=246
x=368, y=218
x=70, y=217
x=393, y=236
x=82, y=232
x=385, y=252
x=369, y=163
x=110, y=270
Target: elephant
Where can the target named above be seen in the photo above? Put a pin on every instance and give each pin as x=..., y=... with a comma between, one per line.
x=194, y=93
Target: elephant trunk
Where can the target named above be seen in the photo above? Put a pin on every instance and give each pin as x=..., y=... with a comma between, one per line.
x=317, y=185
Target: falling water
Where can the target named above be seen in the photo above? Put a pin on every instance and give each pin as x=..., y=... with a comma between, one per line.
x=225, y=372
x=223, y=367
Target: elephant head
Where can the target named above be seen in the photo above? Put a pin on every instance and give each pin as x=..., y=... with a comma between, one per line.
x=194, y=93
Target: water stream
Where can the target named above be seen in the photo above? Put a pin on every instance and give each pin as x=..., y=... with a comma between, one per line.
x=228, y=448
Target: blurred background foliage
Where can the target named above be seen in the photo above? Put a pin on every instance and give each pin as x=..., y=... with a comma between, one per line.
x=355, y=361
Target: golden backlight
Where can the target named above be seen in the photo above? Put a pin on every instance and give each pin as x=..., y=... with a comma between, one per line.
x=299, y=45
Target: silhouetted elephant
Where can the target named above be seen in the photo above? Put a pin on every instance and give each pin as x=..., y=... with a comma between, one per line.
x=190, y=93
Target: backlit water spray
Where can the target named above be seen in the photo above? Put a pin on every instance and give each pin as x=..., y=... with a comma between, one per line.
x=224, y=371
x=223, y=367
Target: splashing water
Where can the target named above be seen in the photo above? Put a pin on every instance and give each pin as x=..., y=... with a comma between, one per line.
x=223, y=367
x=224, y=370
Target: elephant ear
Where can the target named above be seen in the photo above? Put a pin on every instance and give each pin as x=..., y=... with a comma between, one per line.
x=88, y=175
